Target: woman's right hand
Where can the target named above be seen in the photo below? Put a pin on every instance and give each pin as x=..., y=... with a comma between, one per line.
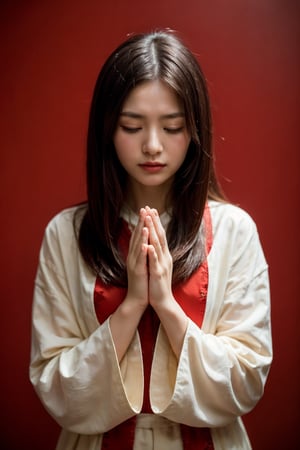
x=125, y=320
x=137, y=267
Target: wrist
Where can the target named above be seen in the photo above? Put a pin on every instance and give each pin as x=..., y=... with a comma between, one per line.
x=171, y=312
x=131, y=307
x=175, y=323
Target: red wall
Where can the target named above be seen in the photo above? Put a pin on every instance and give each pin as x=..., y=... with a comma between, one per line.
x=50, y=54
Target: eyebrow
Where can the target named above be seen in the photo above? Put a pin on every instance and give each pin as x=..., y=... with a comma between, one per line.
x=134, y=115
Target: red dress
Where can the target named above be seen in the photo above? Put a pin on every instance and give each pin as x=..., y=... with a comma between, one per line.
x=191, y=296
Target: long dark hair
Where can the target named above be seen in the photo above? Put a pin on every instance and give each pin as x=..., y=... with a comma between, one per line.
x=151, y=56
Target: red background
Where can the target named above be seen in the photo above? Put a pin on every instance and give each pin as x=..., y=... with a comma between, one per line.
x=50, y=54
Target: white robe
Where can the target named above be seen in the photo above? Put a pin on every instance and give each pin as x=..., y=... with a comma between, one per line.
x=222, y=368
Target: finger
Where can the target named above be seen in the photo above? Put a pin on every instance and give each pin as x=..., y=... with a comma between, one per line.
x=160, y=231
x=153, y=259
x=153, y=236
x=137, y=234
x=141, y=263
x=143, y=250
x=137, y=257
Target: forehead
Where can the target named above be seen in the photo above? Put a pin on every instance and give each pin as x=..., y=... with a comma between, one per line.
x=153, y=97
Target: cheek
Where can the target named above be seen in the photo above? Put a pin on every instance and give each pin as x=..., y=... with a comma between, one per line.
x=182, y=146
x=122, y=145
x=182, y=151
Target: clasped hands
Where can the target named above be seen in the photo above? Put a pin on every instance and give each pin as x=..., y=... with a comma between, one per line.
x=149, y=271
x=149, y=262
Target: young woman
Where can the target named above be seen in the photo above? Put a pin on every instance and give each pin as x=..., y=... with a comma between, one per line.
x=151, y=315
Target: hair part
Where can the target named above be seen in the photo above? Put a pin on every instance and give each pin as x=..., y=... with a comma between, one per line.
x=151, y=56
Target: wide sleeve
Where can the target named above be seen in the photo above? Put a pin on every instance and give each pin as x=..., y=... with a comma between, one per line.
x=223, y=366
x=74, y=367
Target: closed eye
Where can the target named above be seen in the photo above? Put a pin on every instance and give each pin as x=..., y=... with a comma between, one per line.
x=130, y=129
x=174, y=130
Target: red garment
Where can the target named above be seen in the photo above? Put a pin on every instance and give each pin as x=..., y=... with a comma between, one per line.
x=191, y=296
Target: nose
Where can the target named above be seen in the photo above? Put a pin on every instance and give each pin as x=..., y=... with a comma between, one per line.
x=152, y=143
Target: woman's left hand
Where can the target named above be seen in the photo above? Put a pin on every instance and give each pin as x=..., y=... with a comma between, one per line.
x=159, y=260
x=171, y=315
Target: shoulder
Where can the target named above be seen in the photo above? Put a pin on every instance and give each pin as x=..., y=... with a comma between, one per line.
x=231, y=217
x=233, y=228
x=59, y=249
x=60, y=235
x=66, y=221
x=236, y=241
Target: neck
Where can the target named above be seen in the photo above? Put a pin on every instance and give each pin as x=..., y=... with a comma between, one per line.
x=154, y=197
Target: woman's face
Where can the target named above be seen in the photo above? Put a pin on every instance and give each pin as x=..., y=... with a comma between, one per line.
x=151, y=138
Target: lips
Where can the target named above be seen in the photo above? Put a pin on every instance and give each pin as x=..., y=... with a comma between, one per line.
x=152, y=166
